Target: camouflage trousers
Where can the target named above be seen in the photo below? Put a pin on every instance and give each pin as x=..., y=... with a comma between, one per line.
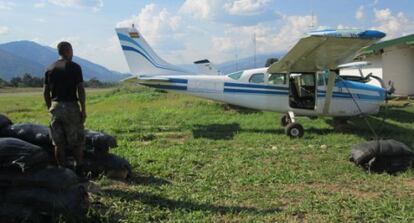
x=66, y=126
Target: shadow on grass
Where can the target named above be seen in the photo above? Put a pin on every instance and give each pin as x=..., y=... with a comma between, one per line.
x=384, y=130
x=99, y=212
x=216, y=131
x=238, y=109
x=148, y=180
x=228, y=131
x=161, y=202
x=396, y=114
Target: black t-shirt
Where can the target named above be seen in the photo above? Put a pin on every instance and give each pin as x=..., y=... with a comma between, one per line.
x=62, y=77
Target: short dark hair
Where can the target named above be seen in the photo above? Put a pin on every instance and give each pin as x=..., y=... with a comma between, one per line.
x=63, y=47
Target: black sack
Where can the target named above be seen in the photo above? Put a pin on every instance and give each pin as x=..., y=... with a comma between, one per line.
x=53, y=179
x=111, y=165
x=382, y=156
x=16, y=154
x=4, y=121
x=32, y=133
x=71, y=203
x=99, y=142
x=11, y=213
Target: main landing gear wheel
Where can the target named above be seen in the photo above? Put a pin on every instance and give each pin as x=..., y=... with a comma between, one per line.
x=284, y=120
x=295, y=130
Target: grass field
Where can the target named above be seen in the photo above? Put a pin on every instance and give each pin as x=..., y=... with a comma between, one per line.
x=199, y=161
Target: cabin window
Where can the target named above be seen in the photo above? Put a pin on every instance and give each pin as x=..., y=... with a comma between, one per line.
x=277, y=79
x=236, y=75
x=305, y=79
x=257, y=78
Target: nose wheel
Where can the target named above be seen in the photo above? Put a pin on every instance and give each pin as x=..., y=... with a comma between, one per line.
x=293, y=129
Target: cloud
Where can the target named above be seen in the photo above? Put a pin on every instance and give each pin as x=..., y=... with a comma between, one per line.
x=202, y=9
x=238, y=40
x=246, y=7
x=238, y=12
x=157, y=24
x=6, y=5
x=216, y=36
x=394, y=25
x=4, y=30
x=95, y=5
x=359, y=15
x=40, y=4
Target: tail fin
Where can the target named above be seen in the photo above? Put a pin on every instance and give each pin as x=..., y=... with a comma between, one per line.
x=141, y=59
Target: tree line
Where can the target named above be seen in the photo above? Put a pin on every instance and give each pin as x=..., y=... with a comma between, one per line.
x=27, y=80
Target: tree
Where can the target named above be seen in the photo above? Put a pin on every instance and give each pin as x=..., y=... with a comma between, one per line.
x=15, y=81
x=3, y=83
x=26, y=81
x=270, y=61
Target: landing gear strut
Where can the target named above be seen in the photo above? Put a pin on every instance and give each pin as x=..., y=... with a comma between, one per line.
x=293, y=129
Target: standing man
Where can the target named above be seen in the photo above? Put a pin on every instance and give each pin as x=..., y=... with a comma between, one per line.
x=64, y=95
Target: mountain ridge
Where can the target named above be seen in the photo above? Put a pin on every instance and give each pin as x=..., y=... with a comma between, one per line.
x=20, y=57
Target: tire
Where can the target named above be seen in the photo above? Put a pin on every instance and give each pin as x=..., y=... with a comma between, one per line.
x=284, y=121
x=295, y=130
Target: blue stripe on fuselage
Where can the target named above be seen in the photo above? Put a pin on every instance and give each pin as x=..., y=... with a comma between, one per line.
x=258, y=86
x=256, y=90
x=177, y=80
x=167, y=87
x=247, y=91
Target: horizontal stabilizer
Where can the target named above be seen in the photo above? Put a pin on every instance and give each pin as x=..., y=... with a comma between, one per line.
x=206, y=67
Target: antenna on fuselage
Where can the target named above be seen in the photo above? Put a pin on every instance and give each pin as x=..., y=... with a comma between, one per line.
x=312, y=20
x=254, y=47
x=236, y=55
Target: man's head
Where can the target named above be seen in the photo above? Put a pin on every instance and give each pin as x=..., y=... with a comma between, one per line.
x=65, y=50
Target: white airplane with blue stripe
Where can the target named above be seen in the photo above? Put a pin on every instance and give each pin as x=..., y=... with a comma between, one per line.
x=305, y=82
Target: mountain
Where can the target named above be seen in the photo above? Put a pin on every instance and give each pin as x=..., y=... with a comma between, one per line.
x=18, y=58
x=10, y=65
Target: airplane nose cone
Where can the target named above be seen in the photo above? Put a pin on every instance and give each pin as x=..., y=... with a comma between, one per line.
x=372, y=34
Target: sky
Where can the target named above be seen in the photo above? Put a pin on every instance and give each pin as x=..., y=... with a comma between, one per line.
x=188, y=30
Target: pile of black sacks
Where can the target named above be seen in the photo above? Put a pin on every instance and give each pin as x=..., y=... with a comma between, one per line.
x=32, y=189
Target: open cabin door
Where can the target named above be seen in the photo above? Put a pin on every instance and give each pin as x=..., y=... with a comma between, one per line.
x=302, y=90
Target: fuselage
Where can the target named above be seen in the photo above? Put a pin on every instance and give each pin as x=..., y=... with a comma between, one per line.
x=280, y=92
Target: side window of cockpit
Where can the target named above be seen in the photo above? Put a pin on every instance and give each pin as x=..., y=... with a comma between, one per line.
x=257, y=78
x=236, y=75
x=277, y=79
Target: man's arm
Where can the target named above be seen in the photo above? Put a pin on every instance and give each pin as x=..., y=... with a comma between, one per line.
x=82, y=99
x=46, y=96
x=46, y=90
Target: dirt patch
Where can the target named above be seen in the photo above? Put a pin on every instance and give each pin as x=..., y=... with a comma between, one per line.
x=334, y=188
x=410, y=183
x=175, y=137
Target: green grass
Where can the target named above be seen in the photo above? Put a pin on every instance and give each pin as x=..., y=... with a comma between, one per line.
x=195, y=160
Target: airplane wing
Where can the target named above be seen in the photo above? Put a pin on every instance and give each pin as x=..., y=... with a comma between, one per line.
x=323, y=50
x=205, y=67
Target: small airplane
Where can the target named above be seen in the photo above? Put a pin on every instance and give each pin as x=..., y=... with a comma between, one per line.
x=305, y=82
